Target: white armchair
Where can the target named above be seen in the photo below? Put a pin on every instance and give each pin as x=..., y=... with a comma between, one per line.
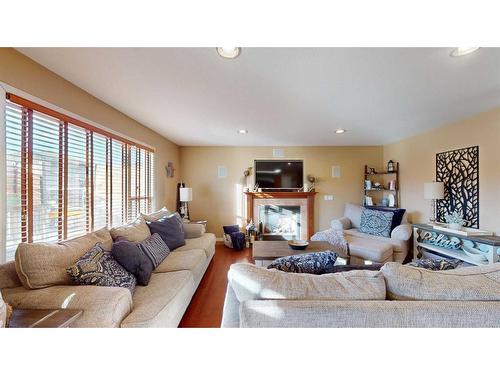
x=362, y=243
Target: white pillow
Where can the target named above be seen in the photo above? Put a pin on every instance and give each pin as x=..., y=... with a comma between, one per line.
x=153, y=216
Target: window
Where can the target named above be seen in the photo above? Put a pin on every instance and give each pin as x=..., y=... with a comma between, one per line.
x=66, y=178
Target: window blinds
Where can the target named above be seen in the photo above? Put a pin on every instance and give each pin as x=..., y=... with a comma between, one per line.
x=66, y=178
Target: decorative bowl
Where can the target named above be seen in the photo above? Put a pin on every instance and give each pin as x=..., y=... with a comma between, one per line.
x=475, y=254
x=298, y=244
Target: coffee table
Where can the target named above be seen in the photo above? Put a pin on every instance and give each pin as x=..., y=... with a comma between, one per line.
x=264, y=252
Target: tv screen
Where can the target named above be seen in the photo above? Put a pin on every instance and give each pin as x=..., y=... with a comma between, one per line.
x=279, y=174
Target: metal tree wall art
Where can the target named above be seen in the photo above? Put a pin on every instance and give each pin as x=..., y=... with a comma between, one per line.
x=459, y=170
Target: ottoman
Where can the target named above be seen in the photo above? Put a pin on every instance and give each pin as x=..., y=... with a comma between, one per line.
x=368, y=249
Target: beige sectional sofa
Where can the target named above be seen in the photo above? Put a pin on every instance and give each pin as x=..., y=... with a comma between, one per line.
x=375, y=248
x=396, y=296
x=40, y=282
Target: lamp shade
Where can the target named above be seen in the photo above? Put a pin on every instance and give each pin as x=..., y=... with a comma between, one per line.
x=433, y=190
x=185, y=194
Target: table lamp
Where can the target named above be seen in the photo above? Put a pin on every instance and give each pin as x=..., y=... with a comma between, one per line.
x=433, y=191
x=185, y=196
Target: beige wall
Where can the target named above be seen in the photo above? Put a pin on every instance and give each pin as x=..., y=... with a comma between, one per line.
x=416, y=156
x=24, y=74
x=220, y=200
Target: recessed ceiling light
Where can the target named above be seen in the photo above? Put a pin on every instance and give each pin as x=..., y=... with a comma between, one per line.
x=229, y=52
x=462, y=51
x=242, y=131
x=339, y=131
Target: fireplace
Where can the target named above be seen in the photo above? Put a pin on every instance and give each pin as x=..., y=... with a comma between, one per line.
x=280, y=220
x=288, y=215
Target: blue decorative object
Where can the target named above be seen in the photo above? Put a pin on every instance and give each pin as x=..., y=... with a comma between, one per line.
x=376, y=222
x=315, y=263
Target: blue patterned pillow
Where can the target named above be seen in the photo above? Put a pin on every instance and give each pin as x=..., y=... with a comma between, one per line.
x=155, y=249
x=436, y=264
x=376, y=222
x=98, y=267
x=315, y=263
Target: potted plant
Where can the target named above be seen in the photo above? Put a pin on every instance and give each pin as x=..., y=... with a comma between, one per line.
x=454, y=220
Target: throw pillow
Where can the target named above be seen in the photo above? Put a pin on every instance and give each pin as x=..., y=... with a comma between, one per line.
x=375, y=222
x=155, y=249
x=153, y=216
x=98, y=267
x=133, y=259
x=436, y=264
x=397, y=218
x=170, y=229
x=315, y=263
x=135, y=232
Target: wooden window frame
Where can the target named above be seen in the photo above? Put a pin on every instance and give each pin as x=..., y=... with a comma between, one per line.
x=128, y=187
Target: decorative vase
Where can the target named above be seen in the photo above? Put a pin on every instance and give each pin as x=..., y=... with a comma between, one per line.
x=455, y=226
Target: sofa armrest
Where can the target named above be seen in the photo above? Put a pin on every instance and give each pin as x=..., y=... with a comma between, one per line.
x=341, y=223
x=368, y=314
x=402, y=232
x=193, y=230
x=103, y=306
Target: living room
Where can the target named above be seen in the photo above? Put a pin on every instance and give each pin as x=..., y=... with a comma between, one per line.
x=312, y=185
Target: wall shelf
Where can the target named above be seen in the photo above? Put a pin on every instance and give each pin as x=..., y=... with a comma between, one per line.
x=381, y=177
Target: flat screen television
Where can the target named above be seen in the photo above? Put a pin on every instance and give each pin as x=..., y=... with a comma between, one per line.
x=279, y=174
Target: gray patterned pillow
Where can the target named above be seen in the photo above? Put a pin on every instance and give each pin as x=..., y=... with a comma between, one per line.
x=376, y=222
x=98, y=267
x=155, y=249
x=315, y=263
x=435, y=264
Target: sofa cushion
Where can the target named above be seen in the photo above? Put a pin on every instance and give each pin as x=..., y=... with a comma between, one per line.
x=8, y=275
x=314, y=263
x=136, y=231
x=153, y=216
x=376, y=222
x=205, y=242
x=252, y=282
x=163, y=302
x=102, y=306
x=170, y=229
x=40, y=265
x=98, y=267
x=155, y=249
x=481, y=283
x=190, y=260
x=133, y=259
x=353, y=213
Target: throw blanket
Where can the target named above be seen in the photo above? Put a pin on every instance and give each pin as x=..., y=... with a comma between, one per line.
x=333, y=237
x=237, y=238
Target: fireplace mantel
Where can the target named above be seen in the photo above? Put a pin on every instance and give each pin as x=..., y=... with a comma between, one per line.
x=282, y=195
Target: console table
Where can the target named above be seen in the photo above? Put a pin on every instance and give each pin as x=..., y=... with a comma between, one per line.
x=440, y=242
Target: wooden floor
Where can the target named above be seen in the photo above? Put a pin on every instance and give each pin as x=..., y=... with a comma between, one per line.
x=205, y=309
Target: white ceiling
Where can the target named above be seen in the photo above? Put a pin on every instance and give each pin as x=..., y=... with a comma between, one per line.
x=284, y=96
